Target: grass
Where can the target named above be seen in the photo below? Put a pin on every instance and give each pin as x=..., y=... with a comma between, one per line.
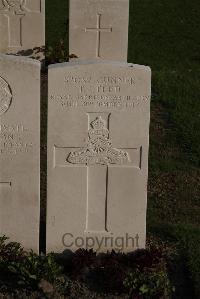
x=57, y=21
x=164, y=34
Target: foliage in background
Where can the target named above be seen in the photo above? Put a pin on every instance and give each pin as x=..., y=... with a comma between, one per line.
x=148, y=284
x=21, y=268
x=187, y=240
x=152, y=281
x=143, y=272
x=58, y=53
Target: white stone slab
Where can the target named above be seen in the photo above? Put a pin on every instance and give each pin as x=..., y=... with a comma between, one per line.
x=98, y=132
x=99, y=29
x=20, y=150
x=22, y=25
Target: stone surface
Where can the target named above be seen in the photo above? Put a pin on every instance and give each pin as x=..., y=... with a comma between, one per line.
x=22, y=25
x=98, y=132
x=99, y=29
x=20, y=149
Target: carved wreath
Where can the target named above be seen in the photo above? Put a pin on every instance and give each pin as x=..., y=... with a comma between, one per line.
x=16, y=5
x=5, y=96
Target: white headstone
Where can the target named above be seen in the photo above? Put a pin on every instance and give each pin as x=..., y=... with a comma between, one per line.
x=99, y=29
x=20, y=150
x=98, y=135
x=22, y=25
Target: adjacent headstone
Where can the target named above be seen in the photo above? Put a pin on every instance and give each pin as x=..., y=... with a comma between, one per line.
x=22, y=25
x=99, y=29
x=20, y=150
x=98, y=134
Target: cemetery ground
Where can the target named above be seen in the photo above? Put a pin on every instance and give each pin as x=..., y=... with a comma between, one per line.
x=165, y=36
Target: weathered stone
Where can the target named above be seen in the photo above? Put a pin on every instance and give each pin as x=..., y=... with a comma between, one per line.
x=98, y=132
x=22, y=25
x=99, y=29
x=20, y=150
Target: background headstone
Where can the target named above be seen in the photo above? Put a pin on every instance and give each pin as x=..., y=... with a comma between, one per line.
x=22, y=25
x=20, y=150
x=98, y=134
x=99, y=29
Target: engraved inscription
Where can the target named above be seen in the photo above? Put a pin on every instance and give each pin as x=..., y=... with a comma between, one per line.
x=5, y=96
x=106, y=91
x=99, y=149
x=98, y=30
x=14, y=139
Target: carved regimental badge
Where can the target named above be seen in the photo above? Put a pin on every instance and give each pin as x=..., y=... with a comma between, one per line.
x=99, y=149
x=5, y=96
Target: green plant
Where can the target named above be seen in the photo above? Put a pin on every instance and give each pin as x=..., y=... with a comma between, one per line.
x=148, y=284
x=149, y=278
x=9, y=251
x=26, y=268
x=187, y=240
x=33, y=268
x=57, y=54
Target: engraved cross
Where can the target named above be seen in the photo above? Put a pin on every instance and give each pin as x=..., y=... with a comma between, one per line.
x=98, y=156
x=98, y=31
x=14, y=11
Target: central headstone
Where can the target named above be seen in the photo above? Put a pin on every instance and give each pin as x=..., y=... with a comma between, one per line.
x=98, y=132
x=98, y=136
